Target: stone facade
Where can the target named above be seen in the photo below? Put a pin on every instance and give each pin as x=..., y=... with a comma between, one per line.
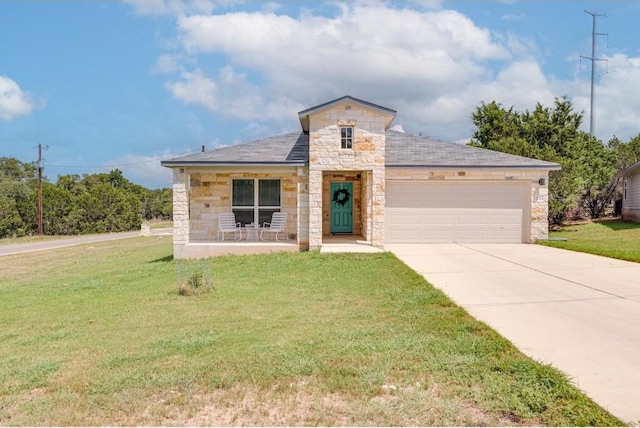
x=327, y=160
x=180, y=210
x=200, y=194
x=536, y=180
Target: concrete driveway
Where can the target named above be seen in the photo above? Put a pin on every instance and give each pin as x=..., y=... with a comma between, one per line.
x=577, y=312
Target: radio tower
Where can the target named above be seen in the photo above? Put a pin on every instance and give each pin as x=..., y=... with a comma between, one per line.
x=593, y=59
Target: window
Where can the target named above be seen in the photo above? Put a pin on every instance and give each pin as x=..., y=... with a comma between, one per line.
x=255, y=199
x=625, y=188
x=346, y=137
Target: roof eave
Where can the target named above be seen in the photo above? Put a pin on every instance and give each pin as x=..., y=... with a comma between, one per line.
x=629, y=170
x=304, y=114
x=538, y=167
x=173, y=164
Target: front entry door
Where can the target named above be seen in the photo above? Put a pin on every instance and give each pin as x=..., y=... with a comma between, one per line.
x=341, y=207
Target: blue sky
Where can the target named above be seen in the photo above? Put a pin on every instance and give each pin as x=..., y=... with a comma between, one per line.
x=124, y=84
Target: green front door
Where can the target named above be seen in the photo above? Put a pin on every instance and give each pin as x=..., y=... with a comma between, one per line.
x=341, y=207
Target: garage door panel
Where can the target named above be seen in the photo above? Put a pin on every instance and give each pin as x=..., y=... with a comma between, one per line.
x=455, y=211
x=472, y=218
x=468, y=234
x=511, y=218
x=437, y=219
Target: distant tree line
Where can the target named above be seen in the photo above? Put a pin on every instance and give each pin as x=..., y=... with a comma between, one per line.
x=587, y=185
x=96, y=203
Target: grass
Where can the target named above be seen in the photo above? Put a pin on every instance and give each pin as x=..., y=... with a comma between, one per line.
x=610, y=238
x=159, y=224
x=98, y=335
x=153, y=224
x=34, y=238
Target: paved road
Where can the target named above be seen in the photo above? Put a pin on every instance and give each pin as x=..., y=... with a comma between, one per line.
x=578, y=312
x=8, y=249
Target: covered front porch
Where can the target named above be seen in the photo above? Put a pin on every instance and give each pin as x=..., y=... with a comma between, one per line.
x=343, y=221
x=251, y=195
x=330, y=244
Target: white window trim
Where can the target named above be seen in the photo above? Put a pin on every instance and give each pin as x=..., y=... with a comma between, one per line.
x=346, y=141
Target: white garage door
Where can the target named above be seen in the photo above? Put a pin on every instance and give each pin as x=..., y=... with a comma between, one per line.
x=432, y=212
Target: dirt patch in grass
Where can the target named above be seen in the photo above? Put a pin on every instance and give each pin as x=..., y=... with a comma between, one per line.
x=302, y=403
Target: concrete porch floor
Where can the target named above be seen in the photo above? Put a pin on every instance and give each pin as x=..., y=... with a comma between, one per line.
x=330, y=244
x=203, y=249
x=347, y=244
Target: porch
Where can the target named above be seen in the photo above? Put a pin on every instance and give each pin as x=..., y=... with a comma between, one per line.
x=347, y=244
x=206, y=249
x=330, y=244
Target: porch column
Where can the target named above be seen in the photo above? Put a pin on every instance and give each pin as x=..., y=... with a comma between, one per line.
x=377, y=206
x=303, y=207
x=180, y=212
x=315, y=209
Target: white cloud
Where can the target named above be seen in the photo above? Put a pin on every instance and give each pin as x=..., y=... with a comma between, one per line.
x=143, y=170
x=167, y=64
x=434, y=66
x=196, y=88
x=312, y=58
x=232, y=95
x=617, y=99
x=13, y=101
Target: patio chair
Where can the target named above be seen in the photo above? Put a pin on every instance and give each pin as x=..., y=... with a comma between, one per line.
x=277, y=225
x=227, y=224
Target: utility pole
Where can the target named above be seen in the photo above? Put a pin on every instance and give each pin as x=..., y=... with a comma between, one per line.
x=40, y=168
x=593, y=59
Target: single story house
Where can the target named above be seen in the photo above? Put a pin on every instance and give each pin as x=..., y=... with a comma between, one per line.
x=631, y=192
x=346, y=172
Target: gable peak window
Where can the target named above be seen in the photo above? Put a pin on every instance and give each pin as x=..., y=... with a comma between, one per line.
x=346, y=137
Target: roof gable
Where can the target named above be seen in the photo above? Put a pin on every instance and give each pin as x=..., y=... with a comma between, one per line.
x=630, y=170
x=304, y=114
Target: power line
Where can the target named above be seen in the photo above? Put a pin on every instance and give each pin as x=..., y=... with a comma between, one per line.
x=160, y=158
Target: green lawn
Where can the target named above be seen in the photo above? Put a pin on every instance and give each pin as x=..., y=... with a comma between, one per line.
x=610, y=238
x=98, y=335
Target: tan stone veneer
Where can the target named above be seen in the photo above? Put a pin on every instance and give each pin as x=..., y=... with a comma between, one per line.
x=327, y=161
x=200, y=194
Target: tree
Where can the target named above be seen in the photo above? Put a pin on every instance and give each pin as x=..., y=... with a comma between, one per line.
x=104, y=202
x=553, y=134
x=16, y=182
x=15, y=170
x=108, y=209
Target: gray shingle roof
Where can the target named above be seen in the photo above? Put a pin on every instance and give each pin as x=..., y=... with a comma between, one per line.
x=288, y=149
x=406, y=150
x=402, y=150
